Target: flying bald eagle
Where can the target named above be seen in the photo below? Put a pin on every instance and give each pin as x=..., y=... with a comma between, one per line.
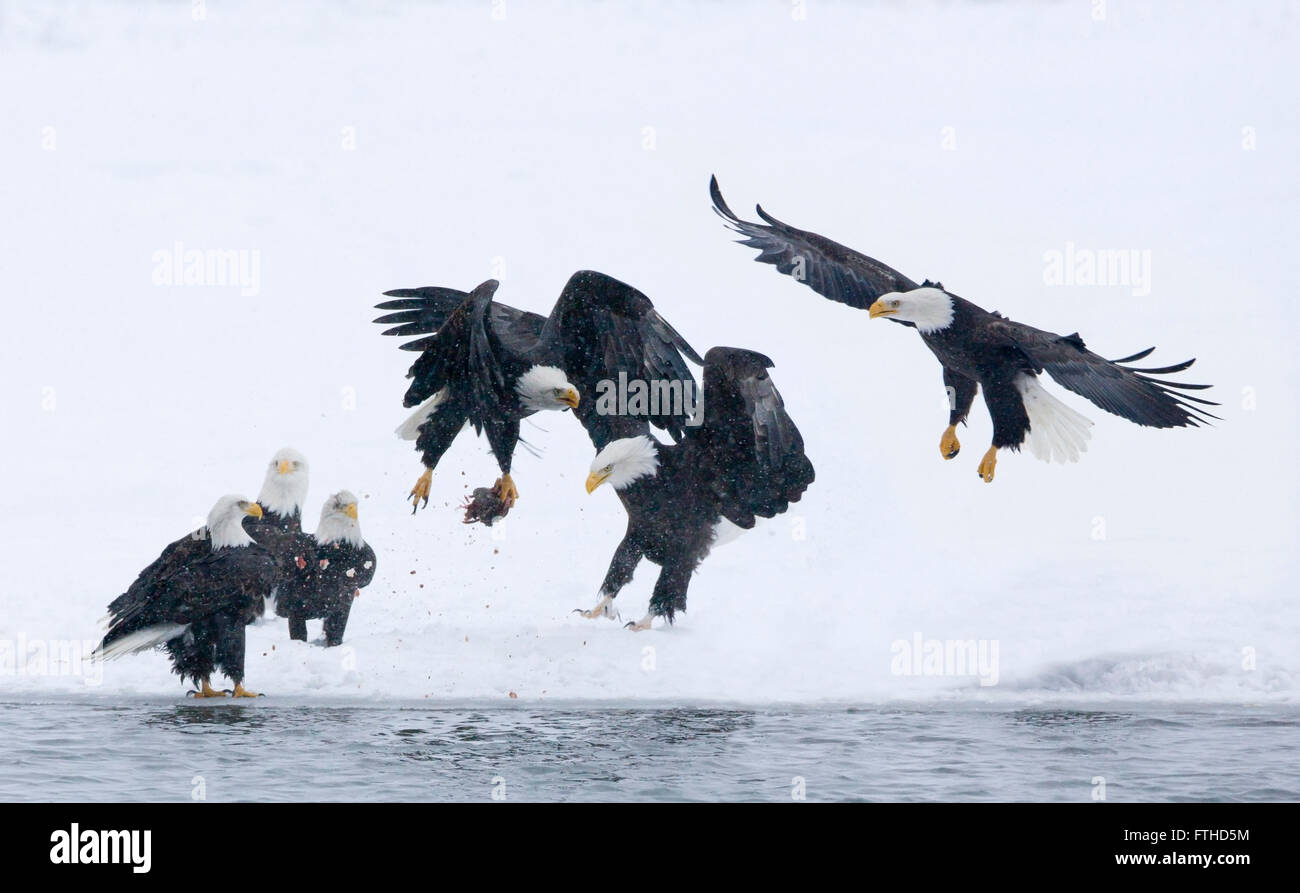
x=339, y=566
x=198, y=608
x=490, y=365
x=979, y=349
x=746, y=461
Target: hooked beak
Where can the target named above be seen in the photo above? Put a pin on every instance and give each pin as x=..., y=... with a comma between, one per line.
x=351, y=510
x=570, y=398
x=254, y=509
x=879, y=309
x=595, y=479
x=284, y=466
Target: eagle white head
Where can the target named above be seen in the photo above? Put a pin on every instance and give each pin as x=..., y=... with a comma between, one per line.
x=546, y=387
x=226, y=521
x=338, y=520
x=285, y=486
x=928, y=308
x=623, y=462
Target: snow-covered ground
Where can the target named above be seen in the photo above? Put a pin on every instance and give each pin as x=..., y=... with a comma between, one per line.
x=356, y=149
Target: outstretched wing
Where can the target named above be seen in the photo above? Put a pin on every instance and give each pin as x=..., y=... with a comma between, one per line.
x=423, y=311
x=827, y=267
x=602, y=327
x=748, y=448
x=1113, y=385
x=462, y=353
x=461, y=373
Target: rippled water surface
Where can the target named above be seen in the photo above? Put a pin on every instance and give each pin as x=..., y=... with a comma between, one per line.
x=261, y=751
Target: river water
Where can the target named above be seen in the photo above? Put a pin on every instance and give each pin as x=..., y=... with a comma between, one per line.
x=167, y=751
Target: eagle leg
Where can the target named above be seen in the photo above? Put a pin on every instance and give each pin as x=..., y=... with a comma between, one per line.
x=421, y=490
x=506, y=489
x=949, y=446
x=241, y=692
x=641, y=625
x=604, y=608
x=207, y=691
x=987, y=464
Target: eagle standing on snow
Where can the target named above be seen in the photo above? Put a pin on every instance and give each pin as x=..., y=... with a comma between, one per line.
x=198, y=605
x=279, y=528
x=745, y=461
x=981, y=349
x=339, y=566
x=490, y=365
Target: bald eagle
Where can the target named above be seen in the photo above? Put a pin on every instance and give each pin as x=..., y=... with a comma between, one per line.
x=279, y=528
x=979, y=349
x=490, y=365
x=339, y=565
x=746, y=461
x=197, y=608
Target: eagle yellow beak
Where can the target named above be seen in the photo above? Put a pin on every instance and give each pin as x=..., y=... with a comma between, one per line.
x=595, y=479
x=254, y=509
x=570, y=398
x=351, y=510
x=284, y=466
x=879, y=309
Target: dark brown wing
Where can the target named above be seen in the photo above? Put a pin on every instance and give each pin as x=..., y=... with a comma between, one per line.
x=423, y=311
x=827, y=267
x=601, y=328
x=183, y=552
x=748, y=448
x=1113, y=385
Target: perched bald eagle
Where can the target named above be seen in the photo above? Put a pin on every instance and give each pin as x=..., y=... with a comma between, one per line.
x=339, y=565
x=490, y=365
x=284, y=487
x=279, y=528
x=746, y=461
x=198, y=607
x=979, y=349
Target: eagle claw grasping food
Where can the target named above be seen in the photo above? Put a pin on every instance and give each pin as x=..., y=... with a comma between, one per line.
x=487, y=505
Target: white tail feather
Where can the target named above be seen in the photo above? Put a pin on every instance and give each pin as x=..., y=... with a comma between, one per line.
x=141, y=640
x=410, y=429
x=726, y=532
x=1056, y=432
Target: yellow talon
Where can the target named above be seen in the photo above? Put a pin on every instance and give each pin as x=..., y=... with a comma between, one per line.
x=207, y=691
x=949, y=446
x=604, y=608
x=421, y=490
x=241, y=692
x=987, y=464
x=506, y=490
